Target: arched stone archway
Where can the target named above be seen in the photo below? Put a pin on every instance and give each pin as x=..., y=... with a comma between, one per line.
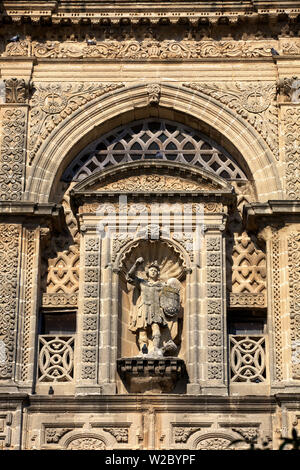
x=126, y=104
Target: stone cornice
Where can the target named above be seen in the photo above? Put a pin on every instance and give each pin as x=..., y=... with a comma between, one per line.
x=97, y=12
x=271, y=212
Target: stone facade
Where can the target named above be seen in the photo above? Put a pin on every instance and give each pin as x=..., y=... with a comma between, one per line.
x=167, y=131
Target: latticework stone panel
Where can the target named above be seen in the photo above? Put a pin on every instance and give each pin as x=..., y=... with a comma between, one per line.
x=158, y=139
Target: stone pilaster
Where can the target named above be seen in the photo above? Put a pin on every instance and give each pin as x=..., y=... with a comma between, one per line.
x=215, y=332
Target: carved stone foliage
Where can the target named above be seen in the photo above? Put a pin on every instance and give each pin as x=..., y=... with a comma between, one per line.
x=182, y=433
x=86, y=443
x=255, y=102
x=155, y=182
x=12, y=154
x=60, y=256
x=9, y=262
x=16, y=90
x=53, y=435
x=291, y=122
x=246, y=272
x=53, y=102
x=148, y=48
x=214, y=443
x=294, y=294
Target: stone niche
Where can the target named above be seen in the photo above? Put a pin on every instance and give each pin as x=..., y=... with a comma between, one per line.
x=157, y=365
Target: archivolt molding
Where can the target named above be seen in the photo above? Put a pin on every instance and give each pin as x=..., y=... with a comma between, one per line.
x=58, y=148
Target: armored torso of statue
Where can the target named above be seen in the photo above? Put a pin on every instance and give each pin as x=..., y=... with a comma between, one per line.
x=154, y=303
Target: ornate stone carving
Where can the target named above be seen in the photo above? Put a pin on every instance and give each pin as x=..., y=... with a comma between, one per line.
x=16, y=90
x=248, y=359
x=291, y=88
x=148, y=48
x=254, y=102
x=214, y=443
x=86, y=443
x=60, y=299
x=155, y=182
x=121, y=434
x=9, y=263
x=214, y=308
x=28, y=297
x=155, y=303
x=157, y=139
x=294, y=294
x=12, y=154
x=91, y=305
x=60, y=277
x=53, y=102
x=181, y=434
x=246, y=272
x=18, y=48
x=291, y=122
x=53, y=435
x=56, y=358
x=276, y=299
x=153, y=91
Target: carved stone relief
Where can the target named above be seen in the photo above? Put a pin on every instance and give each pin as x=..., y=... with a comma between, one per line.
x=148, y=48
x=60, y=256
x=53, y=102
x=9, y=261
x=291, y=122
x=214, y=316
x=256, y=103
x=294, y=293
x=12, y=153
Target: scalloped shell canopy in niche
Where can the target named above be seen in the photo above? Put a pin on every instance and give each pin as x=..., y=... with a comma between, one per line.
x=169, y=260
x=153, y=139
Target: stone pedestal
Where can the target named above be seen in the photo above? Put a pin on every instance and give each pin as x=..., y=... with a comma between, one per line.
x=151, y=375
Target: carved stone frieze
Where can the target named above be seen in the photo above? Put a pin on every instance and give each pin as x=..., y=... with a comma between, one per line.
x=214, y=308
x=9, y=264
x=291, y=122
x=12, y=154
x=147, y=48
x=91, y=305
x=28, y=297
x=294, y=293
x=53, y=102
x=255, y=102
x=155, y=182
